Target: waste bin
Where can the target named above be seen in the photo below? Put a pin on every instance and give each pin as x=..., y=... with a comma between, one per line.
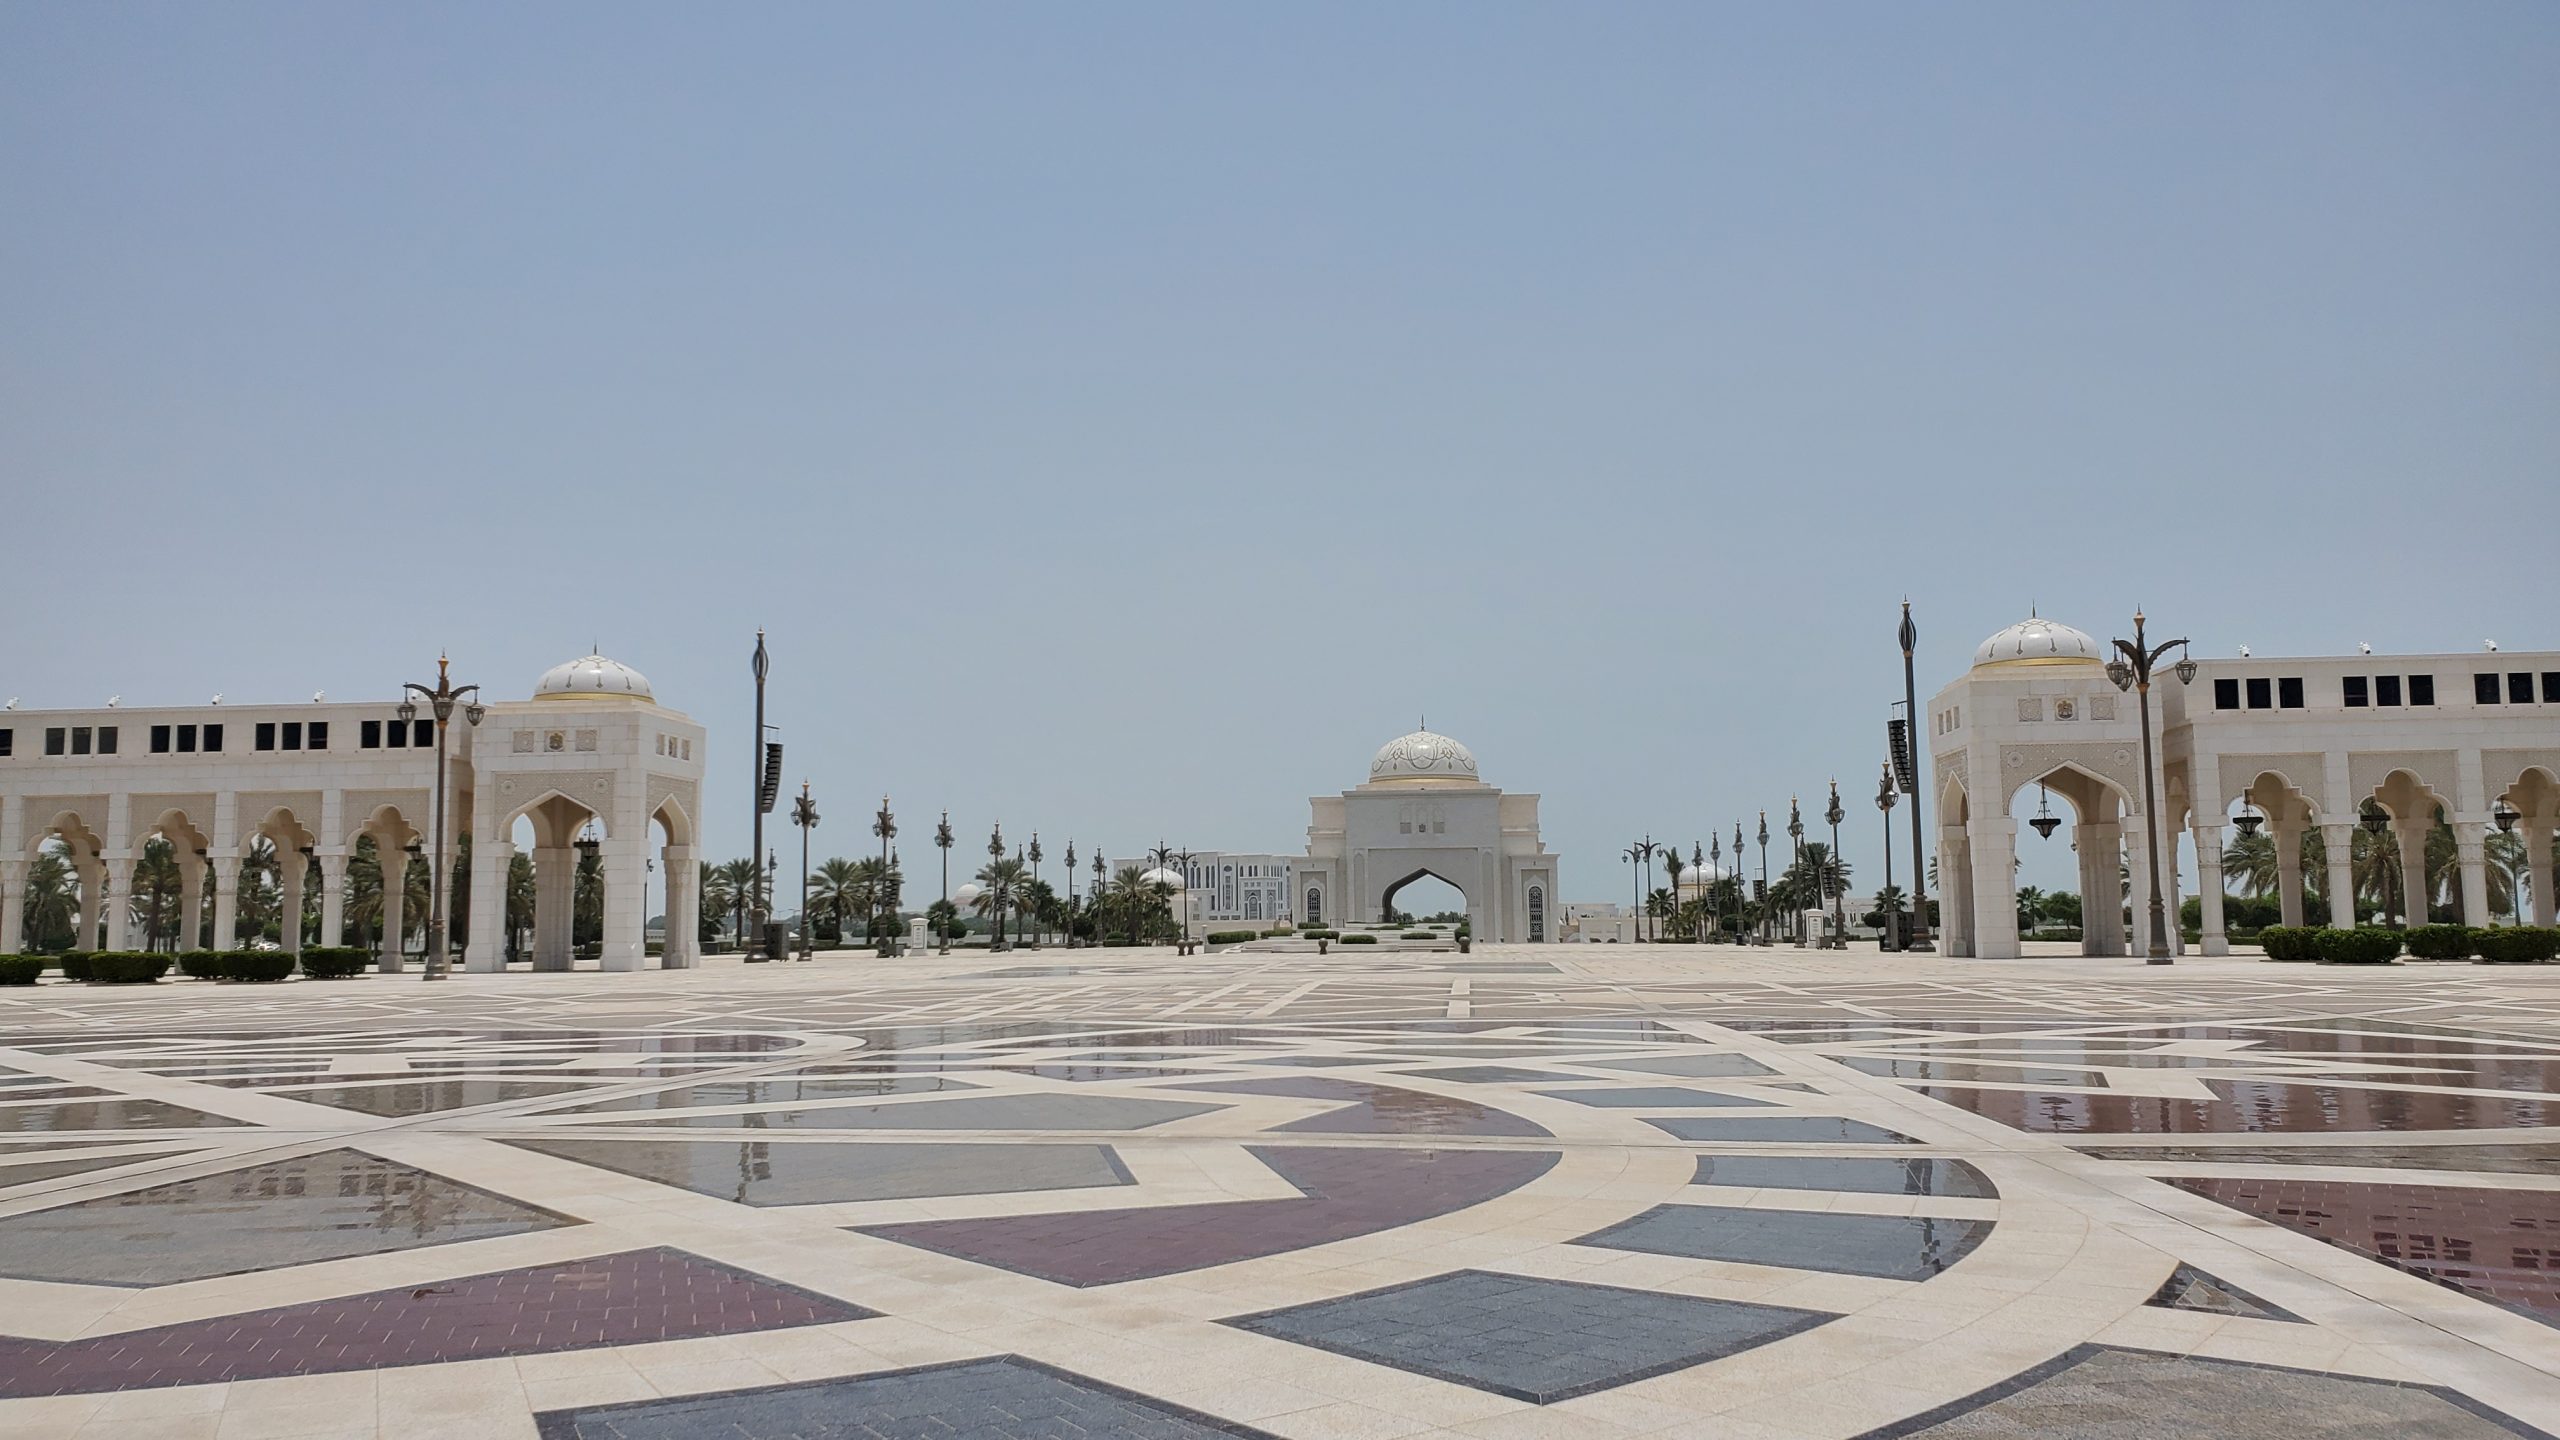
x=775, y=946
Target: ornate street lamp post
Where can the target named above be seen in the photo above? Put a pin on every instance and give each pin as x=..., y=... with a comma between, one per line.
x=1885, y=796
x=804, y=813
x=1162, y=857
x=1831, y=873
x=1099, y=934
x=1182, y=864
x=1715, y=858
x=1795, y=836
x=1741, y=897
x=1764, y=877
x=884, y=825
x=757, y=757
x=1706, y=889
x=942, y=842
x=1035, y=872
x=2132, y=671
x=995, y=908
x=1071, y=894
x=1909, y=634
x=441, y=701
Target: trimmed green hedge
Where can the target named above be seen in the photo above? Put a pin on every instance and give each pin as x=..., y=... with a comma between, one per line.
x=2364, y=945
x=1418, y=935
x=74, y=963
x=336, y=962
x=1359, y=939
x=20, y=969
x=2518, y=944
x=1318, y=933
x=2289, y=942
x=127, y=967
x=200, y=964
x=1231, y=937
x=2443, y=942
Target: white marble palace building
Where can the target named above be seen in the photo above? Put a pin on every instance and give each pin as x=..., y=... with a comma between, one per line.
x=2291, y=742
x=590, y=750
x=1425, y=811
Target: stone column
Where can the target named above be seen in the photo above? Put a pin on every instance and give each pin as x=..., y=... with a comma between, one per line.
x=2414, y=893
x=555, y=899
x=626, y=933
x=2288, y=843
x=2209, y=889
x=2340, y=892
x=1992, y=857
x=1953, y=892
x=684, y=908
x=13, y=906
x=2137, y=855
x=226, y=901
x=391, y=959
x=190, y=901
x=333, y=898
x=292, y=869
x=2537, y=864
x=2470, y=839
x=84, y=924
x=115, y=896
x=2102, y=889
x=490, y=861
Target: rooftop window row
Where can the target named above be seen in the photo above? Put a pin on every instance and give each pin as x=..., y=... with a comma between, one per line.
x=206, y=739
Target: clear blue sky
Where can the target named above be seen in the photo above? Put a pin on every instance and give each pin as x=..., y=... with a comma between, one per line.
x=1125, y=418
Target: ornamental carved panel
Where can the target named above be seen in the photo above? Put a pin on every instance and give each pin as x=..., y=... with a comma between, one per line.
x=252, y=808
x=147, y=810
x=2435, y=768
x=2117, y=761
x=591, y=788
x=2306, y=773
x=2503, y=769
x=358, y=805
x=686, y=794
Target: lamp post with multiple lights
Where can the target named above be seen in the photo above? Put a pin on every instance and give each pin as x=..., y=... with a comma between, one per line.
x=1764, y=878
x=942, y=842
x=1909, y=635
x=1035, y=876
x=1795, y=836
x=884, y=825
x=1885, y=796
x=1831, y=879
x=1071, y=894
x=762, y=664
x=2131, y=670
x=995, y=911
x=1715, y=859
x=441, y=701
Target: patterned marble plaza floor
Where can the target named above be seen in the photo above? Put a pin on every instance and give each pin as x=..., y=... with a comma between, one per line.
x=1587, y=1192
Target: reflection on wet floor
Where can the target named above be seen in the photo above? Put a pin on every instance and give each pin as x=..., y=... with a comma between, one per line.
x=1780, y=1129
x=2500, y=1245
x=1379, y=1109
x=1696, y=1067
x=1651, y=1097
x=757, y=1172
x=287, y=1212
x=2246, y=1107
x=993, y=1112
x=1852, y=1173
x=104, y=1115
x=773, y=1090
x=75, y=1164
x=1894, y=1247
x=2489, y=1159
x=1896, y=1067
x=427, y=1097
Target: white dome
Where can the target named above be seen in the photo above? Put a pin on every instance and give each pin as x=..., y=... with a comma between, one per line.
x=966, y=893
x=1699, y=876
x=593, y=677
x=1163, y=877
x=1421, y=755
x=2038, y=641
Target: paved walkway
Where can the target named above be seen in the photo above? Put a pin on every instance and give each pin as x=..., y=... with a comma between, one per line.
x=1586, y=1191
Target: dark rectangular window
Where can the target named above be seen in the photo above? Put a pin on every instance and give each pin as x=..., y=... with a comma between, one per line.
x=213, y=739
x=397, y=734
x=369, y=735
x=2422, y=689
x=293, y=734
x=53, y=739
x=159, y=739
x=2261, y=693
x=2484, y=689
x=79, y=739
x=2289, y=692
x=266, y=737
x=426, y=736
x=186, y=739
x=2550, y=686
x=2389, y=685
x=106, y=739
x=2352, y=692
x=319, y=734
x=2519, y=690
x=8, y=743
x=2226, y=694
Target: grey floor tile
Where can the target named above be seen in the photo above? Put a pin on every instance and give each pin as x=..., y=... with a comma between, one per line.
x=1894, y=1247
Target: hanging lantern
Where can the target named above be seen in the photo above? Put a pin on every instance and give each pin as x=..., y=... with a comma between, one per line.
x=2045, y=821
x=2248, y=820
x=2506, y=816
x=2376, y=819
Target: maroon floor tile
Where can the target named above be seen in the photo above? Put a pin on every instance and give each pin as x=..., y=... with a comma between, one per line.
x=2501, y=1245
x=2246, y=1107
x=657, y=1294
x=1380, y=1109
x=1344, y=1193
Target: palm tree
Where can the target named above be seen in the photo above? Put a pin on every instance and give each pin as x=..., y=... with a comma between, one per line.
x=837, y=888
x=155, y=892
x=53, y=899
x=1658, y=906
x=744, y=880
x=2249, y=865
x=2030, y=907
x=717, y=897
x=1040, y=904
x=1000, y=885
x=1136, y=898
x=520, y=901
x=1672, y=865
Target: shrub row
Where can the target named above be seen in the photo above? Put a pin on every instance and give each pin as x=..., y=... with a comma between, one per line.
x=1359, y=939
x=2364, y=945
x=332, y=962
x=235, y=964
x=2509, y=944
x=119, y=967
x=1418, y=935
x=2289, y=942
x=74, y=963
x=20, y=969
x=1231, y=937
x=1318, y=933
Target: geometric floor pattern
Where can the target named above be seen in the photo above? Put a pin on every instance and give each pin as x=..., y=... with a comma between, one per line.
x=1594, y=1191
x=1534, y=1340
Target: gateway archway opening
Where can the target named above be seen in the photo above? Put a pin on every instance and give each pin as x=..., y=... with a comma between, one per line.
x=1422, y=896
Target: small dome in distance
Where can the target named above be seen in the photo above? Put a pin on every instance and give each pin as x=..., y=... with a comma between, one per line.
x=1162, y=876
x=1422, y=755
x=2038, y=641
x=592, y=677
x=966, y=894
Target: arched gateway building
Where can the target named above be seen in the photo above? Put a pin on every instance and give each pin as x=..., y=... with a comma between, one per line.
x=1425, y=811
x=591, y=747
x=2288, y=744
